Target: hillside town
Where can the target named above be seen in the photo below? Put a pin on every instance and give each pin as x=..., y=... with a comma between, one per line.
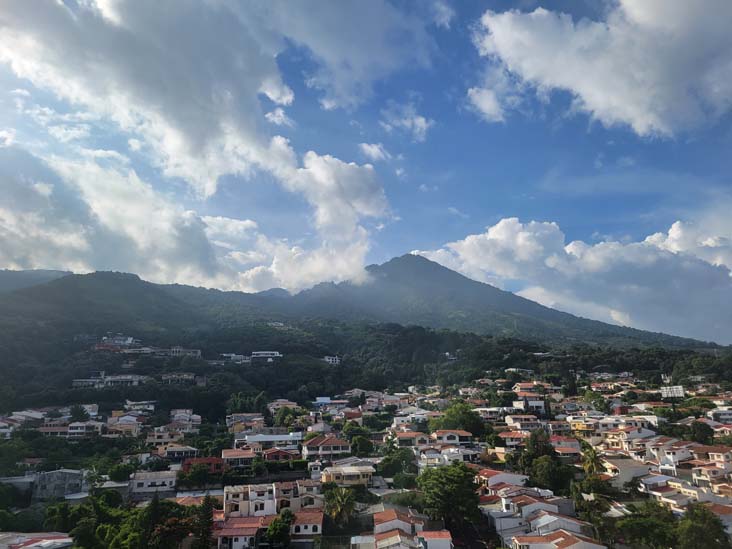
x=508, y=460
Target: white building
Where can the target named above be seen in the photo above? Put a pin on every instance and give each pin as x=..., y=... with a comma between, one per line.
x=145, y=484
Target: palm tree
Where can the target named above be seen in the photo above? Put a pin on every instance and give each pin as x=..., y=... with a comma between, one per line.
x=339, y=505
x=591, y=461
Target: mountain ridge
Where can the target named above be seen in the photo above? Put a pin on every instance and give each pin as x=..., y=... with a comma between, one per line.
x=408, y=290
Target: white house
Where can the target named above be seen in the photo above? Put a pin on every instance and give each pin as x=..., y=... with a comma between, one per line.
x=145, y=484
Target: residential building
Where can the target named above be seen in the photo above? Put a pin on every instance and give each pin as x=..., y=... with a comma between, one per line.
x=236, y=458
x=452, y=436
x=325, y=447
x=145, y=484
x=347, y=476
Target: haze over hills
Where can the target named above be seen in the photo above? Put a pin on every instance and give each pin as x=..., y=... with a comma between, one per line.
x=15, y=280
x=408, y=290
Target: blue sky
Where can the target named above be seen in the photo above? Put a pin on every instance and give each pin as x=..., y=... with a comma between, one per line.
x=574, y=152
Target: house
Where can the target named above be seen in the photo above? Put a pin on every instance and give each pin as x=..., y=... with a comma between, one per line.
x=621, y=439
x=558, y=539
x=523, y=422
x=435, y=539
x=392, y=519
x=269, y=499
x=276, y=405
x=285, y=441
x=623, y=470
x=45, y=540
x=177, y=452
x=253, y=500
x=452, y=436
x=545, y=522
x=325, y=447
x=162, y=436
x=215, y=465
x=513, y=438
x=265, y=356
x=237, y=458
x=530, y=402
x=84, y=429
x=409, y=439
x=277, y=454
x=332, y=360
x=56, y=484
x=347, y=476
x=245, y=532
x=395, y=539
x=492, y=477
x=145, y=484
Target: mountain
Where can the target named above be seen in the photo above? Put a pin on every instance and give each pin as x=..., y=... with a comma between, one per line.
x=409, y=290
x=414, y=290
x=15, y=280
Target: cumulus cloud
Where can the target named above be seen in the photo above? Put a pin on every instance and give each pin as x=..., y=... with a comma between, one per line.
x=374, y=151
x=676, y=282
x=659, y=66
x=197, y=104
x=443, y=13
x=196, y=110
x=78, y=215
x=279, y=117
x=405, y=118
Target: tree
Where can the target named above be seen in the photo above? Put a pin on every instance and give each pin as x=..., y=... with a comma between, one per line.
x=459, y=416
x=339, y=505
x=78, y=413
x=701, y=528
x=591, y=460
x=547, y=472
x=701, y=433
x=198, y=475
x=353, y=429
x=652, y=526
x=449, y=493
x=537, y=445
x=58, y=517
x=285, y=417
x=121, y=472
x=361, y=446
x=203, y=527
x=278, y=533
x=397, y=461
x=84, y=534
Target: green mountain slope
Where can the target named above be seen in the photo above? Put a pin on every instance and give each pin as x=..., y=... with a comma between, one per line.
x=406, y=290
x=414, y=290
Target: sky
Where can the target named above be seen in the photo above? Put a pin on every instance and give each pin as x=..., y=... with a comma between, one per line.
x=574, y=152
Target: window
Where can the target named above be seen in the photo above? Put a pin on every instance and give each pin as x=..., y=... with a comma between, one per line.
x=315, y=528
x=297, y=529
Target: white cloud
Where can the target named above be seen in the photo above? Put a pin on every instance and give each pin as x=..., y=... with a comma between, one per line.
x=7, y=137
x=279, y=117
x=676, y=282
x=486, y=102
x=353, y=43
x=374, y=151
x=196, y=104
x=198, y=109
x=78, y=215
x=405, y=118
x=443, y=13
x=454, y=211
x=659, y=66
